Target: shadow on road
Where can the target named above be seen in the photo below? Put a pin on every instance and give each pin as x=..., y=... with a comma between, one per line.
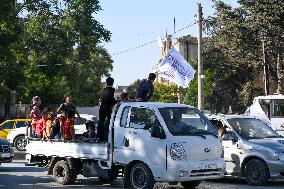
x=22, y=169
x=242, y=182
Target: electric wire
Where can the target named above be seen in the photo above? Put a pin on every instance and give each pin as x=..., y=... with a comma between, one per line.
x=150, y=42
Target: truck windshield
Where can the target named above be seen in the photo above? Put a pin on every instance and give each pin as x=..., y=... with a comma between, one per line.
x=186, y=121
x=251, y=128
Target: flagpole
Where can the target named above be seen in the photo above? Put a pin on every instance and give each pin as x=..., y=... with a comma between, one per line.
x=200, y=63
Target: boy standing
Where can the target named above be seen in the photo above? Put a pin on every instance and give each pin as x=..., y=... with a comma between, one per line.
x=107, y=102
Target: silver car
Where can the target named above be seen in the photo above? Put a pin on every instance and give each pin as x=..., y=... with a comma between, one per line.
x=251, y=148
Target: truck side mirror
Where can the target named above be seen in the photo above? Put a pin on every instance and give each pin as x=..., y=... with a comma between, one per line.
x=157, y=132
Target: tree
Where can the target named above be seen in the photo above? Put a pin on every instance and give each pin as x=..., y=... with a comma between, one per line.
x=131, y=89
x=165, y=92
x=62, y=43
x=10, y=74
x=231, y=54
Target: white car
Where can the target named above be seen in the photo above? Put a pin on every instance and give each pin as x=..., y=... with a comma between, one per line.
x=17, y=136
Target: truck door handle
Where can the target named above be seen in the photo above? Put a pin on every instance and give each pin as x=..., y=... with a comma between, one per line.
x=126, y=142
x=134, y=132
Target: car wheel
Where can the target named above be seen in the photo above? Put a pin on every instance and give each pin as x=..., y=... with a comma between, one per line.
x=256, y=172
x=20, y=143
x=62, y=174
x=190, y=184
x=141, y=177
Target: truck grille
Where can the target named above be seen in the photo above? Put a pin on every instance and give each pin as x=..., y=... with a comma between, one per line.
x=205, y=172
x=4, y=149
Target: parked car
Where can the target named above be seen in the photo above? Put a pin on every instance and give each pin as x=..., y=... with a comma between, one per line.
x=6, y=151
x=8, y=125
x=17, y=136
x=251, y=148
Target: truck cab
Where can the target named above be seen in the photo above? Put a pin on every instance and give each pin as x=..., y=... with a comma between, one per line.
x=148, y=142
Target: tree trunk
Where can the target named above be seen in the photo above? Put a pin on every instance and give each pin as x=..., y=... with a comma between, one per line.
x=279, y=73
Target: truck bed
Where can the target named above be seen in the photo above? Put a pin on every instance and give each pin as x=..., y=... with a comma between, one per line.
x=68, y=149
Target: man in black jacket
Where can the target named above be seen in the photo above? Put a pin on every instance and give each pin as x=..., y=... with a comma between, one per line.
x=107, y=102
x=146, y=88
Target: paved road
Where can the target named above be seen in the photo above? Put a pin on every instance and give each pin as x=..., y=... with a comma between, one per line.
x=16, y=175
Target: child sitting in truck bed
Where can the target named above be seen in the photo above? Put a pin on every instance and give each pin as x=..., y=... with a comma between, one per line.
x=90, y=134
x=48, y=125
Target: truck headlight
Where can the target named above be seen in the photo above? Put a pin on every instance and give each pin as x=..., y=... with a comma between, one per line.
x=279, y=155
x=177, y=152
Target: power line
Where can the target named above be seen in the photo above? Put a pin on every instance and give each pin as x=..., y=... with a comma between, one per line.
x=138, y=35
x=148, y=43
x=147, y=33
x=131, y=49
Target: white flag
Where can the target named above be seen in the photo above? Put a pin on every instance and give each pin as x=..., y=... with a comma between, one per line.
x=176, y=69
x=256, y=111
x=160, y=42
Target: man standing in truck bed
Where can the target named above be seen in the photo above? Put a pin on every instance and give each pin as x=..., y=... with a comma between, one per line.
x=107, y=102
x=146, y=88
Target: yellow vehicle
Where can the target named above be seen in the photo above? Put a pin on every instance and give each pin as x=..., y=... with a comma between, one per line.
x=7, y=125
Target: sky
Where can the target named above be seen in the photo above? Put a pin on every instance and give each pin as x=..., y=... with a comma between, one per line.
x=137, y=22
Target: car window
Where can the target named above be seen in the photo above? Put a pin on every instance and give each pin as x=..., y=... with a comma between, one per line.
x=124, y=116
x=20, y=124
x=143, y=118
x=278, y=110
x=8, y=125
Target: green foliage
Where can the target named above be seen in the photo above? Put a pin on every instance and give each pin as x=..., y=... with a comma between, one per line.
x=192, y=91
x=233, y=53
x=52, y=50
x=131, y=89
x=165, y=92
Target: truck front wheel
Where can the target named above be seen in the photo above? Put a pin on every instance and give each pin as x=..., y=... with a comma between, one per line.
x=141, y=176
x=62, y=173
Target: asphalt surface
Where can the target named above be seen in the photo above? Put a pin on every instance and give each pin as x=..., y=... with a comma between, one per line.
x=16, y=175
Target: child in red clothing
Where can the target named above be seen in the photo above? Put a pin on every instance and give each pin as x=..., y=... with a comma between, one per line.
x=66, y=125
x=35, y=115
x=41, y=124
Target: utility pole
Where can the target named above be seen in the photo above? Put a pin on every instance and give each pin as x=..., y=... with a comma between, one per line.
x=200, y=63
x=265, y=69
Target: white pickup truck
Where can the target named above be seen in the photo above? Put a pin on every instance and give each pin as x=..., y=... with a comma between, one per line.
x=146, y=143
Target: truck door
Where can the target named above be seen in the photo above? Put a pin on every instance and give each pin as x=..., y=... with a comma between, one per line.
x=137, y=142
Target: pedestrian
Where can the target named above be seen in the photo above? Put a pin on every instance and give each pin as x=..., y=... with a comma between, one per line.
x=146, y=88
x=107, y=103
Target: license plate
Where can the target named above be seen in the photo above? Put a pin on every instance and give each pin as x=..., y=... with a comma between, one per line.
x=4, y=155
x=210, y=166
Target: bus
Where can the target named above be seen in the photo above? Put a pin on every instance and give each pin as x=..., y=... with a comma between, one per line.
x=273, y=106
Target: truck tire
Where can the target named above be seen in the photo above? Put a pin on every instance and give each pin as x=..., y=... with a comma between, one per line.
x=62, y=173
x=141, y=177
x=190, y=184
x=20, y=143
x=256, y=172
